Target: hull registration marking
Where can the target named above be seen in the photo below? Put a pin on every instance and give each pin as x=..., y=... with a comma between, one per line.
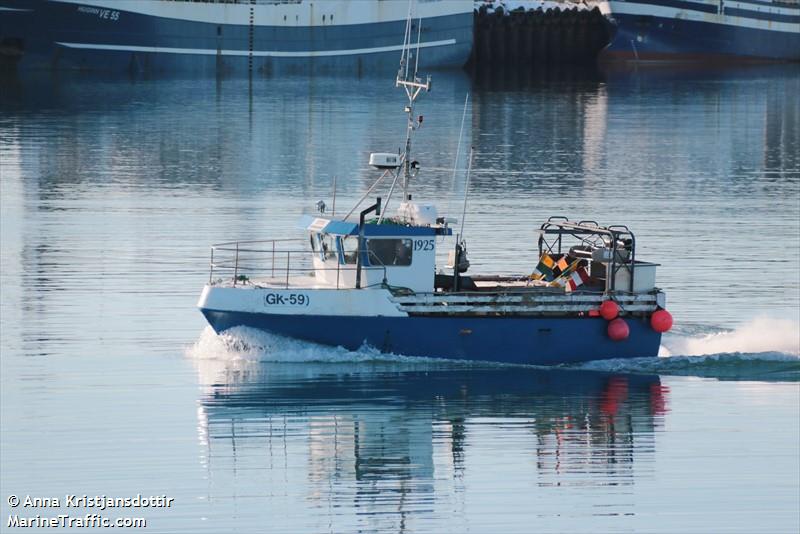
x=286, y=299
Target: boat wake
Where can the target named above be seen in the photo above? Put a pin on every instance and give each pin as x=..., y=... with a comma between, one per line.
x=762, y=335
x=764, y=349
x=238, y=354
x=249, y=344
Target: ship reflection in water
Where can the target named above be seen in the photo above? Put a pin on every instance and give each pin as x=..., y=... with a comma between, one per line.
x=393, y=441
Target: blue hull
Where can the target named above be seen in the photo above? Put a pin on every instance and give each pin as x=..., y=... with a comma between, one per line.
x=43, y=35
x=655, y=38
x=522, y=340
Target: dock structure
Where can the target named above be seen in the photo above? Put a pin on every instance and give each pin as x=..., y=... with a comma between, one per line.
x=547, y=37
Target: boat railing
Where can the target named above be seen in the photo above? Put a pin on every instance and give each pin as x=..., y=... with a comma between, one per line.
x=242, y=262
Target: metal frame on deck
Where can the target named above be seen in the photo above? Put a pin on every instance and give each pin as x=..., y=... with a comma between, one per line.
x=597, y=237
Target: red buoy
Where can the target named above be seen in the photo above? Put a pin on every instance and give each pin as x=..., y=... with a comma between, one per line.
x=618, y=329
x=609, y=309
x=661, y=321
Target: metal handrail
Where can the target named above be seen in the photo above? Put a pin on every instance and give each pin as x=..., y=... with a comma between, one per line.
x=240, y=260
x=234, y=243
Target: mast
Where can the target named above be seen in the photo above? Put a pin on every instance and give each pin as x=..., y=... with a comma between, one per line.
x=413, y=85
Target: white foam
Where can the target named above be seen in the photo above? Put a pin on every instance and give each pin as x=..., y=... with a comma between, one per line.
x=244, y=343
x=761, y=335
x=762, y=349
x=761, y=346
x=232, y=356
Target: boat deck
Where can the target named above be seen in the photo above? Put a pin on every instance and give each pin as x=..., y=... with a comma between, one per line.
x=493, y=296
x=485, y=284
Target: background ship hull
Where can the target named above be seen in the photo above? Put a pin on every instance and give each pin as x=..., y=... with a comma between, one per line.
x=166, y=37
x=519, y=340
x=690, y=31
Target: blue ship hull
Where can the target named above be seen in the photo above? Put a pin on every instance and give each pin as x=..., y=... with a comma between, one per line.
x=47, y=34
x=517, y=340
x=671, y=30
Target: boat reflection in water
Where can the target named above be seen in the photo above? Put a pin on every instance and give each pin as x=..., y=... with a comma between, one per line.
x=408, y=436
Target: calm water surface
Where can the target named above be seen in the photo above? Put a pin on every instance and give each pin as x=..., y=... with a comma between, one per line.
x=112, y=191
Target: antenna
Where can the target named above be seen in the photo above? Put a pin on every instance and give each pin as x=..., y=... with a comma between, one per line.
x=413, y=87
x=419, y=35
x=460, y=250
x=333, y=210
x=466, y=193
x=406, y=42
x=458, y=154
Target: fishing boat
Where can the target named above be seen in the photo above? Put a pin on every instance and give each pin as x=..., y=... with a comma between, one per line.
x=225, y=37
x=702, y=30
x=371, y=278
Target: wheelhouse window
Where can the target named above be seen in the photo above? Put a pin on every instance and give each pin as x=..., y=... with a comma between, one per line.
x=390, y=252
x=349, y=248
x=325, y=246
